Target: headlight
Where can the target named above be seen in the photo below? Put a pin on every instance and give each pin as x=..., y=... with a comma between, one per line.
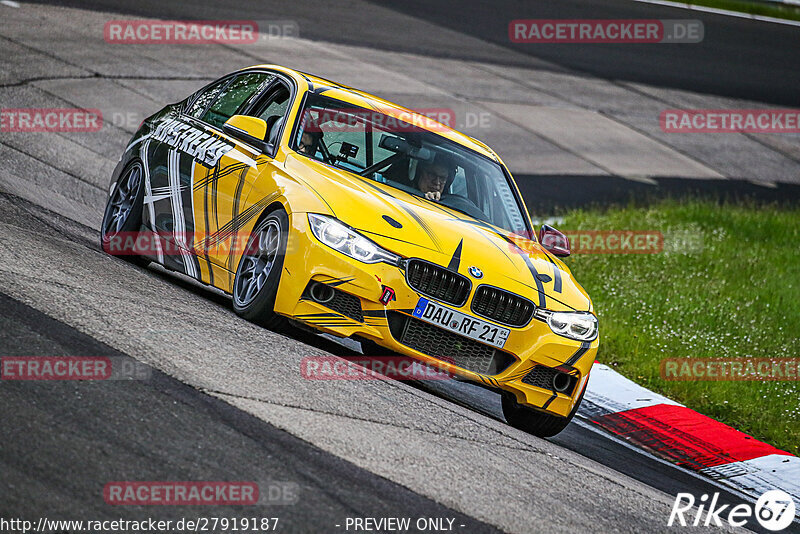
x=349, y=242
x=580, y=326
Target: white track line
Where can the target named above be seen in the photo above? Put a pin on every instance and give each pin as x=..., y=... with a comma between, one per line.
x=716, y=11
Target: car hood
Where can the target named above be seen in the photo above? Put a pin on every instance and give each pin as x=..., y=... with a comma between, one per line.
x=413, y=227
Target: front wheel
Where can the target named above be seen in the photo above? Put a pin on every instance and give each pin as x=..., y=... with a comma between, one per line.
x=255, y=285
x=123, y=215
x=539, y=424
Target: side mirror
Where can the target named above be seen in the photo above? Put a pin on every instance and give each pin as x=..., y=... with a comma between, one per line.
x=251, y=130
x=554, y=241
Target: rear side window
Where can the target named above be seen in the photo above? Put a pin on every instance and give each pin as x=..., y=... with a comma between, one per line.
x=235, y=94
x=207, y=96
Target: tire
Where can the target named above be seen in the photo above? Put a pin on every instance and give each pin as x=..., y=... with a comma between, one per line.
x=535, y=422
x=259, y=272
x=122, y=218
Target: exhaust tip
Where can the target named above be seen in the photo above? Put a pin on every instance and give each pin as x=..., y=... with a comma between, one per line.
x=321, y=293
x=562, y=382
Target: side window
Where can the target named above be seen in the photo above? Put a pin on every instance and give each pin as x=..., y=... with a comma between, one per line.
x=459, y=185
x=233, y=96
x=272, y=107
x=339, y=135
x=275, y=102
x=207, y=96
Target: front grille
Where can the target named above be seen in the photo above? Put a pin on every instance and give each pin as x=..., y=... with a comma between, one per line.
x=542, y=377
x=438, y=282
x=502, y=306
x=447, y=346
x=346, y=304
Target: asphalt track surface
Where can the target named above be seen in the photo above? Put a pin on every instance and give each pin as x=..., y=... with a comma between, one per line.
x=68, y=439
x=225, y=400
x=65, y=440
x=73, y=437
x=738, y=57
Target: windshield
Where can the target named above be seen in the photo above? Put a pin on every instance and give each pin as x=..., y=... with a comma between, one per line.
x=407, y=157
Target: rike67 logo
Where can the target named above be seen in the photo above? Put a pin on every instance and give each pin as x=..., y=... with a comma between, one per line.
x=774, y=510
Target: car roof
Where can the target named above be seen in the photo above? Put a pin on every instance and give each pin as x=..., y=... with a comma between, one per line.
x=360, y=98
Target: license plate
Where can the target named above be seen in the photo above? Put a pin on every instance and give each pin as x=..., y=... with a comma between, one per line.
x=461, y=323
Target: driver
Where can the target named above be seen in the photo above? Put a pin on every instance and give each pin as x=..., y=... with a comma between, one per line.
x=434, y=176
x=309, y=142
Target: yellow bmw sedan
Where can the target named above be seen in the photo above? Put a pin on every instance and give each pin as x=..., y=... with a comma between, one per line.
x=317, y=204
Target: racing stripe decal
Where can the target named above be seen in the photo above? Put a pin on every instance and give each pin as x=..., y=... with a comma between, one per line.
x=235, y=212
x=580, y=352
x=190, y=191
x=481, y=224
x=455, y=261
x=335, y=282
x=223, y=171
x=556, y=274
x=234, y=225
x=549, y=401
x=206, y=230
x=319, y=195
x=179, y=230
x=148, y=197
x=424, y=225
x=531, y=268
x=518, y=374
x=187, y=202
x=137, y=140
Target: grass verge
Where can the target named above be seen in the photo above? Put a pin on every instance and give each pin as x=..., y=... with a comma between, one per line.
x=763, y=8
x=727, y=284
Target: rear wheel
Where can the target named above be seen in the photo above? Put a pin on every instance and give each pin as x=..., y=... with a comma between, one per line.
x=123, y=216
x=539, y=424
x=255, y=285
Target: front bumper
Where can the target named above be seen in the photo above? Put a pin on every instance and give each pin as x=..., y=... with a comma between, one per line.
x=521, y=367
